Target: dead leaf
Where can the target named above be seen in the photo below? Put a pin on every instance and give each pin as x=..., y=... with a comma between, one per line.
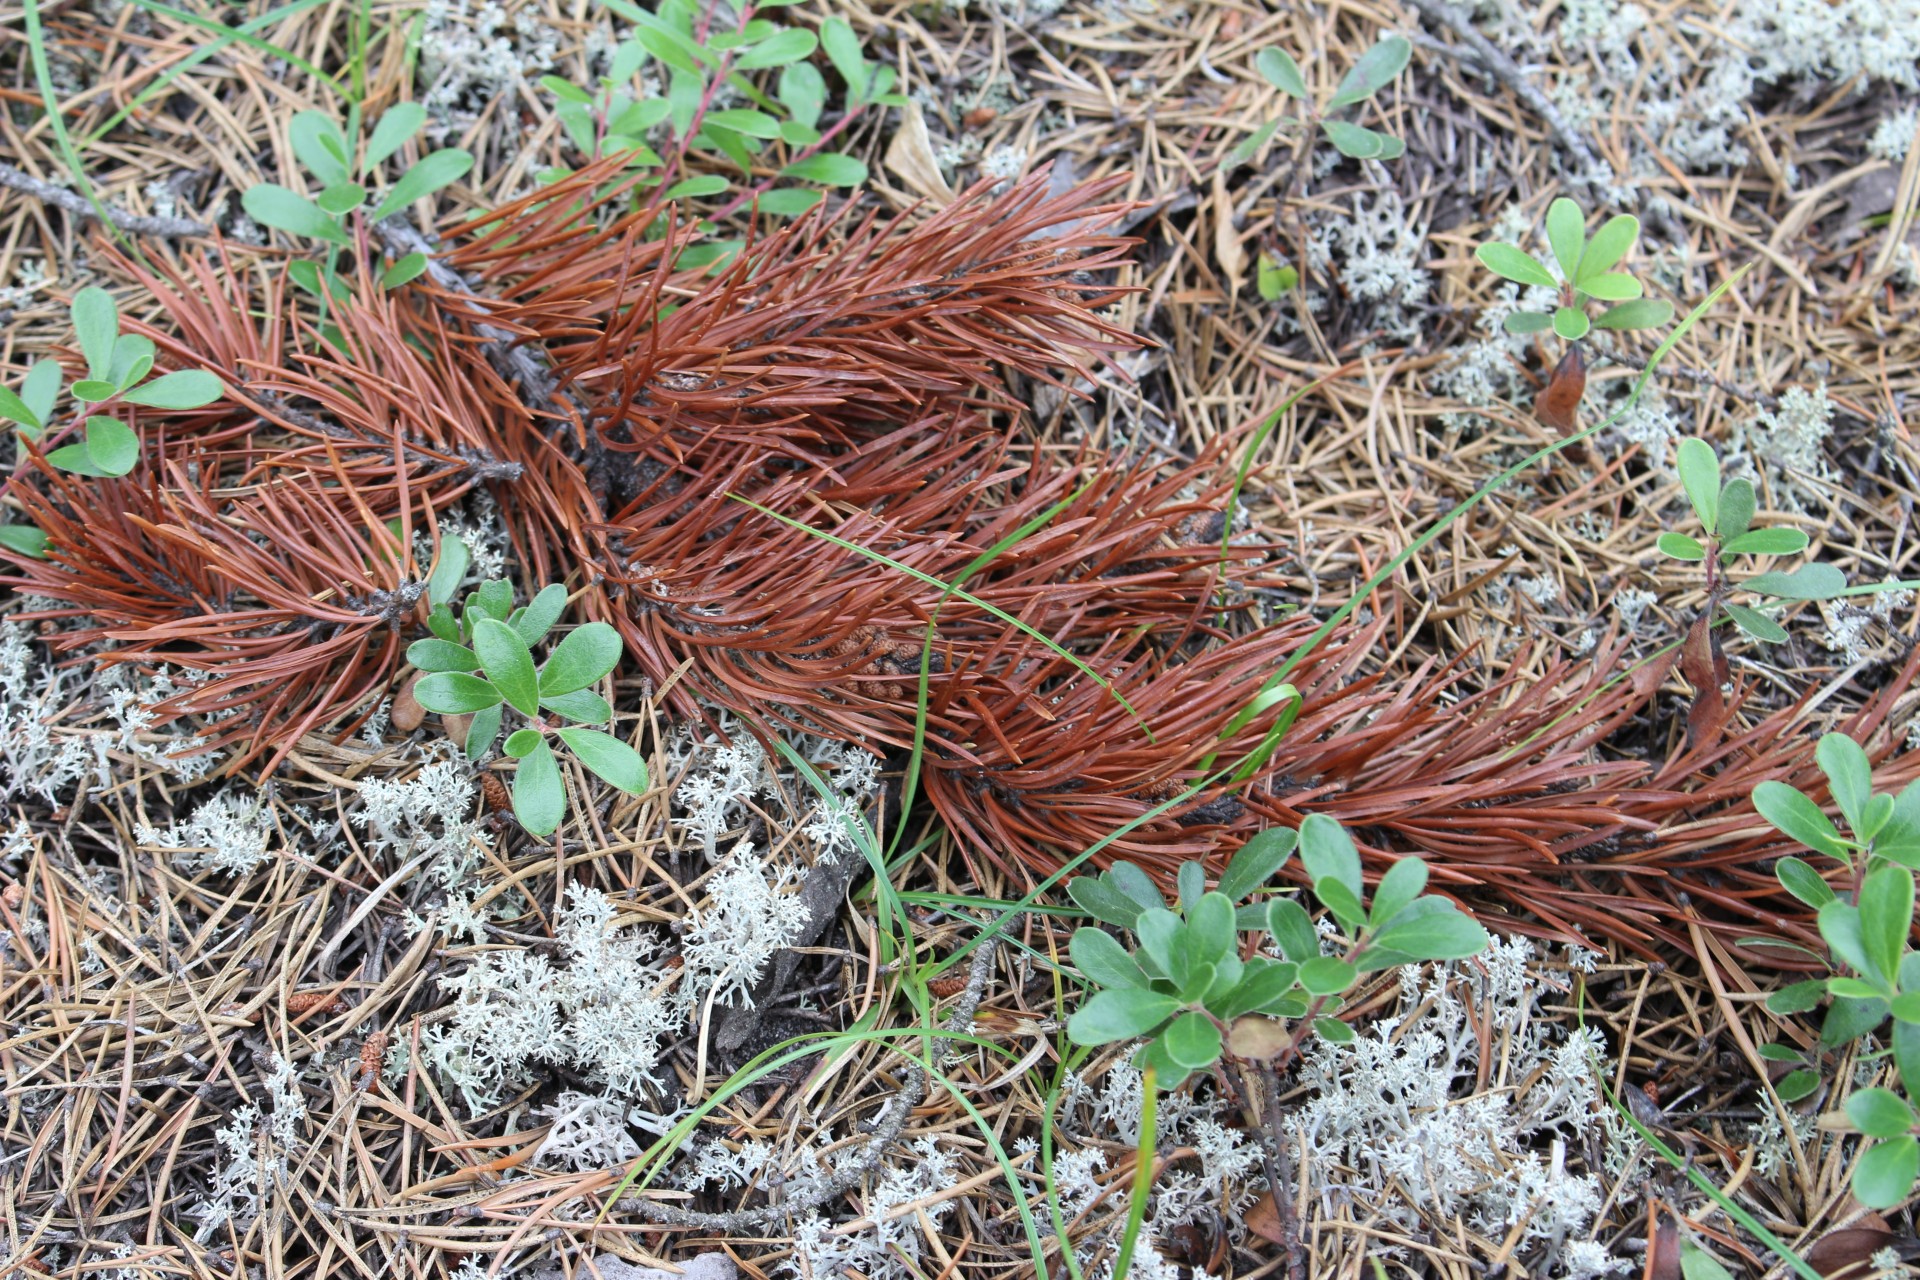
x=1704, y=664
x=456, y=727
x=1559, y=405
x=1227, y=249
x=1647, y=679
x=910, y=155
x=1253, y=1036
x=1263, y=1219
x=1847, y=1252
x=407, y=713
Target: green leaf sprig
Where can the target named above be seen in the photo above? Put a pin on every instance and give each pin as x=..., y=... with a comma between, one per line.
x=481, y=664
x=1373, y=71
x=119, y=366
x=1587, y=274
x=694, y=61
x=345, y=190
x=1868, y=928
x=1726, y=513
x=1189, y=988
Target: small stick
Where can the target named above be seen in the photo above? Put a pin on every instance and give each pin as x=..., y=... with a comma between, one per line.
x=1489, y=57
x=481, y=465
x=514, y=362
x=78, y=205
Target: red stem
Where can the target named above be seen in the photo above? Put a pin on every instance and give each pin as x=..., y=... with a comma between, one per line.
x=806, y=152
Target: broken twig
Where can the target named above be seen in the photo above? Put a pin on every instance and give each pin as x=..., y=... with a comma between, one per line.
x=78, y=205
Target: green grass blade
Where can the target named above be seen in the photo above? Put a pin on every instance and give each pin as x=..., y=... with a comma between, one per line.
x=654, y=1159
x=925, y=898
x=1800, y=1266
x=1007, y=1171
x=1068, y=1062
x=1142, y=1174
x=910, y=781
x=43, y=76
x=1067, y=868
x=1253, y=451
x=950, y=589
x=896, y=950
x=1673, y=1158
x=1074, y=863
x=228, y=35
x=245, y=36
x=1875, y=588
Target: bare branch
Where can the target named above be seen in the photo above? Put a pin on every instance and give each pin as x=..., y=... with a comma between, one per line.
x=78, y=205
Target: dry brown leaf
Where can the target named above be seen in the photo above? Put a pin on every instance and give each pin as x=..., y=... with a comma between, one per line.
x=1704, y=664
x=1253, y=1036
x=1559, y=405
x=1263, y=1219
x=910, y=156
x=1227, y=249
x=407, y=713
x=1847, y=1253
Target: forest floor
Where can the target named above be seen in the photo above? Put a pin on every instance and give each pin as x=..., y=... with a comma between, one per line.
x=244, y=1033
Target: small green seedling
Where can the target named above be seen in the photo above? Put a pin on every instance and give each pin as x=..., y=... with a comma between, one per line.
x=1374, y=71
x=1587, y=275
x=1868, y=932
x=1194, y=991
x=1274, y=277
x=118, y=365
x=1726, y=513
x=482, y=666
x=324, y=151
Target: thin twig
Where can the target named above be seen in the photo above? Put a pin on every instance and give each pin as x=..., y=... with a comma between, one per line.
x=1493, y=61
x=76, y=204
x=515, y=362
x=480, y=465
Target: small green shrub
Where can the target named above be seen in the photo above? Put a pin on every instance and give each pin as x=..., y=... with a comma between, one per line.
x=481, y=665
x=327, y=152
x=118, y=369
x=696, y=62
x=1186, y=987
x=1868, y=931
x=1373, y=71
x=1725, y=512
x=1587, y=275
